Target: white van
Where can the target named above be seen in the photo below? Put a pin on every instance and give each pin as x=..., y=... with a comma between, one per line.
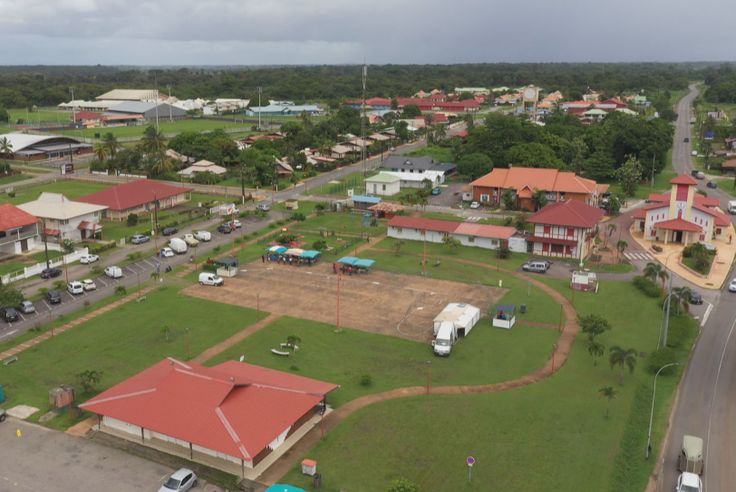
x=445, y=339
x=207, y=278
x=203, y=236
x=114, y=271
x=178, y=245
x=75, y=288
x=732, y=207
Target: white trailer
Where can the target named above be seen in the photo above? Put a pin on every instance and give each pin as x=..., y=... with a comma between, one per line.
x=462, y=317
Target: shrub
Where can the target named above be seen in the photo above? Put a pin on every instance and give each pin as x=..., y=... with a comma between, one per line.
x=366, y=380
x=507, y=221
x=661, y=357
x=402, y=485
x=319, y=245
x=11, y=194
x=646, y=286
x=132, y=220
x=298, y=216
x=121, y=290
x=294, y=368
x=656, y=248
x=677, y=333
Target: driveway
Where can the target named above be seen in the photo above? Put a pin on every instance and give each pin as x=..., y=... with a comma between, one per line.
x=44, y=460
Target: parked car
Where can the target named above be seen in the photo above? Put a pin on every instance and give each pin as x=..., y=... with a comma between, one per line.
x=89, y=284
x=167, y=252
x=686, y=139
x=263, y=207
x=181, y=480
x=235, y=224
x=87, y=259
x=711, y=184
x=27, y=307
x=203, y=236
x=474, y=205
x=190, y=240
x=114, y=271
x=3, y=415
x=169, y=231
x=689, y=482
x=732, y=285
x=691, y=455
x=50, y=272
x=224, y=229
x=695, y=298
x=178, y=245
x=53, y=296
x=139, y=239
x=535, y=266
x=9, y=314
x=75, y=287
x=208, y=278
x=436, y=190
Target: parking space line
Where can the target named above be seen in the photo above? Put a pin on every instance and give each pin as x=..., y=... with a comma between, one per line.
x=99, y=279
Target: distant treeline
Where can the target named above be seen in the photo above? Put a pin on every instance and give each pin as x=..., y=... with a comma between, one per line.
x=721, y=83
x=25, y=86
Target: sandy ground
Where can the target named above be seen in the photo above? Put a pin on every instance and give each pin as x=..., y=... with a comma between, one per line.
x=377, y=302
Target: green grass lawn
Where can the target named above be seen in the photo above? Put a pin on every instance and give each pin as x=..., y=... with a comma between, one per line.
x=441, y=154
x=121, y=343
x=190, y=125
x=552, y=435
x=456, y=218
x=340, y=186
x=13, y=178
x=69, y=188
x=343, y=222
x=17, y=263
x=487, y=355
x=44, y=115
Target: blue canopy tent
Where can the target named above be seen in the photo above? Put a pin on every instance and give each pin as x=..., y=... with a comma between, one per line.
x=364, y=263
x=282, y=487
x=278, y=249
x=310, y=256
x=348, y=260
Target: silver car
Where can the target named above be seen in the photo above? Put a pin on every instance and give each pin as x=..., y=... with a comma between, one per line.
x=181, y=480
x=732, y=285
x=27, y=307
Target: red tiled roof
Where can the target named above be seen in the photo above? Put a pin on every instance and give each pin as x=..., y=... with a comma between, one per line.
x=720, y=218
x=641, y=213
x=134, y=194
x=570, y=213
x=552, y=240
x=51, y=232
x=423, y=224
x=87, y=115
x=234, y=408
x=11, y=217
x=678, y=225
x=537, y=178
x=684, y=179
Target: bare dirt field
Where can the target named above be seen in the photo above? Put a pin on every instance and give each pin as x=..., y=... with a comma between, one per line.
x=378, y=302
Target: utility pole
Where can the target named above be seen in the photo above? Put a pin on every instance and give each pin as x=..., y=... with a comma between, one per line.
x=362, y=122
x=156, y=103
x=259, y=108
x=45, y=243
x=171, y=116
x=74, y=112
x=242, y=182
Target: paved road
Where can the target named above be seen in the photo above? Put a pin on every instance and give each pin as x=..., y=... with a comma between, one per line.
x=136, y=272
x=44, y=460
x=705, y=406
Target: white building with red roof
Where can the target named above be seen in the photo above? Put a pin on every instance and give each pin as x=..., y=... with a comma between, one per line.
x=565, y=229
x=230, y=416
x=137, y=197
x=468, y=233
x=18, y=230
x=682, y=215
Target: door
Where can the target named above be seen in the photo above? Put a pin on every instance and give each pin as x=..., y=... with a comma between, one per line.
x=678, y=236
x=24, y=245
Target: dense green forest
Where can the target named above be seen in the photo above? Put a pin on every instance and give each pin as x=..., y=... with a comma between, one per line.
x=49, y=85
x=721, y=82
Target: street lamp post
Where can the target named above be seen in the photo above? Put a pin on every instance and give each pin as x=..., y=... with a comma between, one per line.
x=651, y=415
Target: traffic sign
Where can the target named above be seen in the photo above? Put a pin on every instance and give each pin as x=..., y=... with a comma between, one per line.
x=470, y=460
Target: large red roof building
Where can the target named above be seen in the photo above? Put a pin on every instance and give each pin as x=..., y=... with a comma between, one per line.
x=230, y=416
x=137, y=197
x=564, y=229
x=18, y=230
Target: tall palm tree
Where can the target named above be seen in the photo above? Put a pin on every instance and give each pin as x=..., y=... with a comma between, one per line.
x=610, y=229
x=111, y=143
x=622, y=358
x=609, y=394
x=100, y=150
x=652, y=270
x=621, y=246
x=154, y=144
x=682, y=294
x=663, y=276
x=595, y=349
x=6, y=147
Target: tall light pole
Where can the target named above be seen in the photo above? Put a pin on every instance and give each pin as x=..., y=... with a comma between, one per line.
x=259, y=108
x=171, y=116
x=651, y=415
x=666, y=321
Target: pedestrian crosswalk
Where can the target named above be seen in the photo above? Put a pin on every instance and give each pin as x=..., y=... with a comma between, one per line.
x=642, y=256
x=474, y=218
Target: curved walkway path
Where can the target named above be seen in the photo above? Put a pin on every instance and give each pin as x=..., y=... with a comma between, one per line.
x=558, y=358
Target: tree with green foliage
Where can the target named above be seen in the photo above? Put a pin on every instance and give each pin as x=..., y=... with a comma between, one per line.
x=4, y=115
x=533, y=154
x=508, y=198
x=88, y=379
x=595, y=348
x=593, y=324
x=473, y=166
x=609, y=394
x=111, y=143
x=402, y=485
x=539, y=198
x=10, y=296
x=6, y=147
x=452, y=243
x=652, y=271
x=682, y=296
x=621, y=246
x=521, y=221
x=629, y=176
x=100, y=150
x=411, y=111
x=624, y=358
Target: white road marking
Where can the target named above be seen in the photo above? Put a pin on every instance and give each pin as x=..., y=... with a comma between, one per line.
x=8, y=334
x=707, y=313
x=715, y=387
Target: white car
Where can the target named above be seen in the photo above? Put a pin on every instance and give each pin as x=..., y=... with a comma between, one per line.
x=732, y=285
x=87, y=259
x=474, y=205
x=181, y=480
x=689, y=482
x=236, y=224
x=89, y=284
x=203, y=235
x=167, y=252
x=114, y=271
x=75, y=288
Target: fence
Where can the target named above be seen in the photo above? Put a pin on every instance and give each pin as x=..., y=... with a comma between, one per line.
x=36, y=269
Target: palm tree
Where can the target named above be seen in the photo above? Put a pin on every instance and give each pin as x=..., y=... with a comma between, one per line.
x=652, y=270
x=595, y=349
x=6, y=147
x=663, y=275
x=111, y=143
x=621, y=246
x=610, y=228
x=100, y=150
x=622, y=358
x=609, y=394
x=682, y=294
x=154, y=143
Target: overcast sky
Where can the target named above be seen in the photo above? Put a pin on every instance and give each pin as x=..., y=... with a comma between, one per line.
x=256, y=32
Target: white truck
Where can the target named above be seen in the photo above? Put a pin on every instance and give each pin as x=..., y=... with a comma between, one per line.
x=452, y=323
x=190, y=240
x=203, y=236
x=732, y=207
x=178, y=246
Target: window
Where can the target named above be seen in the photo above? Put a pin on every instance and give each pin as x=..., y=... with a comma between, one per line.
x=484, y=197
x=383, y=187
x=557, y=248
x=471, y=239
x=718, y=230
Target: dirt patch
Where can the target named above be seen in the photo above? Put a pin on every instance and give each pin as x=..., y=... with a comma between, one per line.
x=377, y=302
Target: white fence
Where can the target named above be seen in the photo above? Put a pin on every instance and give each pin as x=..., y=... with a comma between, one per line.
x=36, y=269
